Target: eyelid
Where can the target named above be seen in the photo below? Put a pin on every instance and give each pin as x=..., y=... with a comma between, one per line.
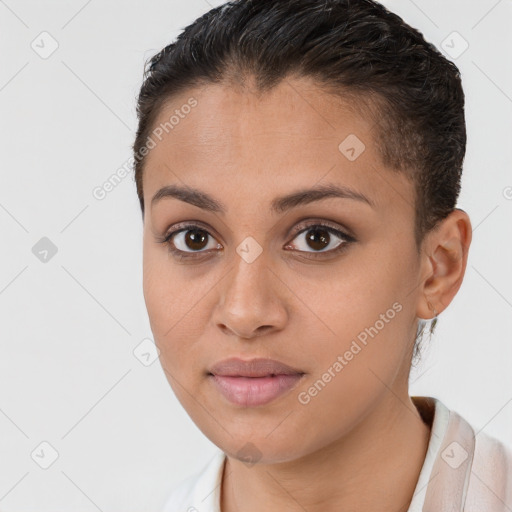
x=334, y=229
x=185, y=226
x=302, y=226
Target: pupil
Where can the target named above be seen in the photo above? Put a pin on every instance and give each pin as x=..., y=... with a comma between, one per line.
x=194, y=237
x=320, y=240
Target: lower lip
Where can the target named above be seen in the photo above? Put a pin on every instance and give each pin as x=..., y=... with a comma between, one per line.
x=253, y=391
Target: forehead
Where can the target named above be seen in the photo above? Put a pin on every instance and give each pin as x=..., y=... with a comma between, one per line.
x=285, y=117
x=289, y=137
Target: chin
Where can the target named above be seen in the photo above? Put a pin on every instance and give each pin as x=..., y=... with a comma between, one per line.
x=261, y=448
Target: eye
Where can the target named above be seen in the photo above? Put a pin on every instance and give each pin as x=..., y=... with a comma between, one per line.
x=194, y=239
x=321, y=238
x=188, y=240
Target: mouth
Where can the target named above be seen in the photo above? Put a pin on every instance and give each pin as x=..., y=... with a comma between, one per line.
x=253, y=383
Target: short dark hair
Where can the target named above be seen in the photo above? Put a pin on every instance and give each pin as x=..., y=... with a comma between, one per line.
x=356, y=49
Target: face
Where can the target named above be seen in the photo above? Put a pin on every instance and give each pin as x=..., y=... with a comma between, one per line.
x=323, y=283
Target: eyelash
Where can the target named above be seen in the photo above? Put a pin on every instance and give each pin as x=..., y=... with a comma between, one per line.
x=182, y=255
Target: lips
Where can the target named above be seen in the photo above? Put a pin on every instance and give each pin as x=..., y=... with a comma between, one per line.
x=236, y=367
x=255, y=382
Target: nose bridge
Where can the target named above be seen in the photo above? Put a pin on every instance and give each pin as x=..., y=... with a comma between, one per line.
x=248, y=282
x=249, y=299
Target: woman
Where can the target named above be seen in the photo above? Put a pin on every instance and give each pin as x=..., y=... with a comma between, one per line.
x=298, y=164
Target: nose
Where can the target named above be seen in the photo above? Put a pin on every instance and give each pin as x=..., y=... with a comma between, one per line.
x=250, y=302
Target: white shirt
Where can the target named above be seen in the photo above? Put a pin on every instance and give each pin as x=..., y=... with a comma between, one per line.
x=462, y=471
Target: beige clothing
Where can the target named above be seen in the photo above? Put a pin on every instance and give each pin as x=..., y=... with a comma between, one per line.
x=464, y=470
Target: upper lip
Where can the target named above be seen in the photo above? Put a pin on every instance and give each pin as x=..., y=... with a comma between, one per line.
x=236, y=367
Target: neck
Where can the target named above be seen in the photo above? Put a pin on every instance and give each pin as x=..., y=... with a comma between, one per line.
x=376, y=466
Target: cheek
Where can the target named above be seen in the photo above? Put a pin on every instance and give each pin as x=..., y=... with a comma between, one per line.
x=357, y=340
x=176, y=300
x=173, y=314
x=157, y=294
x=165, y=292
x=342, y=301
x=164, y=298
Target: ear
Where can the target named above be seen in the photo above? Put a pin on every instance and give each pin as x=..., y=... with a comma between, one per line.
x=444, y=258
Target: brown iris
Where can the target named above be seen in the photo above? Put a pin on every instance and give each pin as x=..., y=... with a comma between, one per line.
x=196, y=239
x=318, y=238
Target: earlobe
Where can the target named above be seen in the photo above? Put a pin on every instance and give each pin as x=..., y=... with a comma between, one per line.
x=447, y=252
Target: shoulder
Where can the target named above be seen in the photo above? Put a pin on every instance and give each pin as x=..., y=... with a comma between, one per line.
x=471, y=471
x=491, y=453
x=199, y=491
x=485, y=478
x=490, y=481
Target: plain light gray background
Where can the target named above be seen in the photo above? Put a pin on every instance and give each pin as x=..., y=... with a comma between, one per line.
x=69, y=375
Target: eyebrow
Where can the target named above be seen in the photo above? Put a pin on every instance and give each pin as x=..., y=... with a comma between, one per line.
x=282, y=204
